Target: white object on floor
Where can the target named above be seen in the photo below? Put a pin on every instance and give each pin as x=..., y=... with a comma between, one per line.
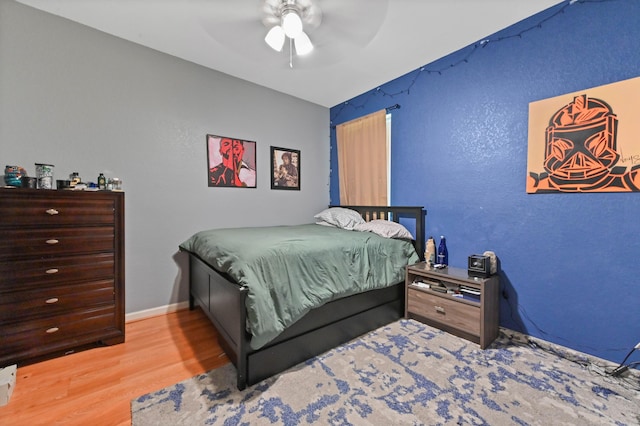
x=7, y=383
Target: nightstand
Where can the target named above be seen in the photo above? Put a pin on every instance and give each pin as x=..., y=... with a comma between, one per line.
x=451, y=300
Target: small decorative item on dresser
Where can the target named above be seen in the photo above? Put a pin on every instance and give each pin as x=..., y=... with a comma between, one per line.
x=493, y=261
x=29, y=182
x=63, y=184
x=74, y=178
x=102, y=181
x=44, y=173
x=117, y=184
x=430, y=253
x=13, y=175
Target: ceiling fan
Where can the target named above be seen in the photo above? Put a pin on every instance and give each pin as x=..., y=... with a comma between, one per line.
x=289, y=18
x=336, y=29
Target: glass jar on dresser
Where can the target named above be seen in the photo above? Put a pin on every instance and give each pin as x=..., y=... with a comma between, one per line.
x=61, y=271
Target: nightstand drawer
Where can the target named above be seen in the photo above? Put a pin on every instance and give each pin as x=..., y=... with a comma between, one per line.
x=450, y=312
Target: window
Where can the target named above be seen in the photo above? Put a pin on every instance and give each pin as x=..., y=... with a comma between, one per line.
x=364, y=159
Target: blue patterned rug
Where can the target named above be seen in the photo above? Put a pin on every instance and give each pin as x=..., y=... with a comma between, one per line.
x=406, y=373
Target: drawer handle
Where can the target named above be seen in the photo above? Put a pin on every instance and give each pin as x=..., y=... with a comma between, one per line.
x=52, y=241
x=52, y=300
x=52, y=212
x=52, y=271
x=440, y=309
x=52, y=330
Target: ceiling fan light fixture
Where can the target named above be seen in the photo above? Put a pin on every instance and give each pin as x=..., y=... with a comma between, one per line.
x=303, y=44
x=291, y=23
x=275, y=38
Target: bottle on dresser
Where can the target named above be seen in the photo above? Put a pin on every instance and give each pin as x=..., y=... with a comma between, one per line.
x=443, y=253
x=102, y=182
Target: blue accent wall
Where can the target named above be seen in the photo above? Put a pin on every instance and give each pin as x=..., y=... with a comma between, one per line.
x=459, y=147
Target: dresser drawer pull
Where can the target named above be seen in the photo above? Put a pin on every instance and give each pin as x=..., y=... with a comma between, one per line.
x=52, y=330
x=52, y=212
x=52, y=300
x=52, y=271
x=52, y=241
x=440, y=309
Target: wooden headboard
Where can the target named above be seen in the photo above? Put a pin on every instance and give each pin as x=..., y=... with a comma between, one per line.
x=395, y=213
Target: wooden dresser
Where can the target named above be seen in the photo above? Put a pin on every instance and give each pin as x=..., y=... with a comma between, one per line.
x=61, y=271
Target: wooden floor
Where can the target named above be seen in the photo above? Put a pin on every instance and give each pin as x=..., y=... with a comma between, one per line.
x=95, y=387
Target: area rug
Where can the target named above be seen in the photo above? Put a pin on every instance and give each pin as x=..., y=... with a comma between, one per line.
x=406, y=373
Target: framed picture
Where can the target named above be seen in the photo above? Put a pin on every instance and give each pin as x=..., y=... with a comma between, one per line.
x=586, y=141
x=231, y=162
x=285, y=168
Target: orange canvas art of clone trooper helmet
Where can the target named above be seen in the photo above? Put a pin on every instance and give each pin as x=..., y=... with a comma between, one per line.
x=580, y=146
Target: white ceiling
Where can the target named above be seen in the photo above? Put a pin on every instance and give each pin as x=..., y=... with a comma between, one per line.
x=360, y=44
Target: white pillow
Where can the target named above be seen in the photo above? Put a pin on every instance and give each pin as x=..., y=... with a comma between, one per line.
x=385, y=228
x=340, y=217
x=323, y=223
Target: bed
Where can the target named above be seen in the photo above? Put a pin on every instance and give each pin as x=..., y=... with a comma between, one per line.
x=227, y=294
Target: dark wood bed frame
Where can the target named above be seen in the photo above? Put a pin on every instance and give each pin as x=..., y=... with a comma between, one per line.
x=323, y=328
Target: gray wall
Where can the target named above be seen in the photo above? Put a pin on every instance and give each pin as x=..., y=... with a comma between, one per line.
x=89, y=102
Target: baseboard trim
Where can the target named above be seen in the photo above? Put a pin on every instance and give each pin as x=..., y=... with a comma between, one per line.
x=567, y=353
x=154, y=312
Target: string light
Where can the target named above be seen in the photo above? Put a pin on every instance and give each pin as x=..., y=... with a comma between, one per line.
x=481, y=44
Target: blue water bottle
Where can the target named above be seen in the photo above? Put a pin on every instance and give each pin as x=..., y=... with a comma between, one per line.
x=443, y=253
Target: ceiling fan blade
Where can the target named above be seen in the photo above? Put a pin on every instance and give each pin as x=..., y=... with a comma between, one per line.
x=344, y=20
x=236, y=26
x=270, y=12
x=311, y=14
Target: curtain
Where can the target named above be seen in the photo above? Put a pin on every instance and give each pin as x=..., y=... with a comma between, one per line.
x=362, y=160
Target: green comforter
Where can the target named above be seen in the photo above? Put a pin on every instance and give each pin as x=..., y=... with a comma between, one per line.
x=290, y=270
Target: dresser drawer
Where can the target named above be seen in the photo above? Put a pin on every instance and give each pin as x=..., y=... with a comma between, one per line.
x=23, y=274
x=31, y=338
x=38, y=211
x=18, y=305
x=20, y=243
x=449, y=312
